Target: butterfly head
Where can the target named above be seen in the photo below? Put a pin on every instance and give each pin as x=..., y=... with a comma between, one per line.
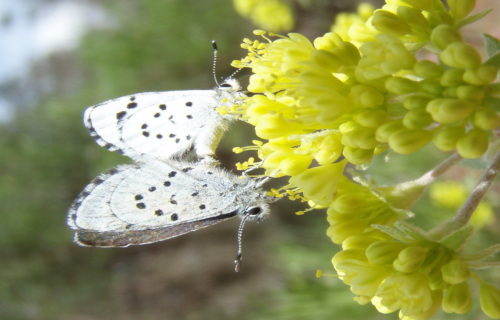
x=259, y=212
x=230, y=84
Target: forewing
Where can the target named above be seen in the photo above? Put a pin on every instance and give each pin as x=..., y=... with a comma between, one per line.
x=161, y=125
x=149, y=202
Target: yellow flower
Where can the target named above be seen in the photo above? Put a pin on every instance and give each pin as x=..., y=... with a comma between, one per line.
x=319, y=184
x=272, y=15
x=355, y=209
x=409, y=293
x=490, y=300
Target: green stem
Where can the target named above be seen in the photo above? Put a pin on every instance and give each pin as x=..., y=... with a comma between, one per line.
x=463, y=216
x=435, y=173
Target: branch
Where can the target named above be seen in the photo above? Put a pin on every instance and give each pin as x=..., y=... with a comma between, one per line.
x=463, y=216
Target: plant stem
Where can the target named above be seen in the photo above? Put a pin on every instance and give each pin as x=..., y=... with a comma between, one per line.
x=431, y=175
x=463, y=216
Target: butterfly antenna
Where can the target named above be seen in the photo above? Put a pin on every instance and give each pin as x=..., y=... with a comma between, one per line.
x=239, y=257
x=214, y=64
x=234, y=73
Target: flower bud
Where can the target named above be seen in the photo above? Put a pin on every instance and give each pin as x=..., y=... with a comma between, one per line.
x=330, y=149
x=452, y=78
x=384, y=252
x=459, y=9
x=449, y=110
x=432, y=87
x=341, y=230
x=457, y=299
x=443, y=35
x=409, y=140
x=326, y=60
x=427, y=69
x=358, y=242
x=446, y=139
x=383, y=132
x=372, y=118
x=486, y=119
x=388, y=23
x=417, y=118
x=460, y=55
x=413, y=16
x=358, y=156
x=467, y=92
x=398, y=85
x=410, y=259
x=480, y=76
x=415, y=102
x=489, y=297
x=455, y=271
x=473, y=144
x=366, y=95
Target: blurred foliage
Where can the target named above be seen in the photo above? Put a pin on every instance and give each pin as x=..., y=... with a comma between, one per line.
x=46, y=158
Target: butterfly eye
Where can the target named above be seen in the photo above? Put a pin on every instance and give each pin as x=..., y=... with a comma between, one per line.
x=253, y=211
x=226, y=85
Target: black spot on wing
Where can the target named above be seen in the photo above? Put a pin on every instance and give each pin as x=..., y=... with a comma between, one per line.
x=189, y=104
x=132, y=105
x=121, y=114
x=97, y=181
x=141, y=205
x=108, y=146
x=162, y=107
x=174, y=217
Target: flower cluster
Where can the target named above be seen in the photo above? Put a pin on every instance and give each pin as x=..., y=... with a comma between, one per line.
x=272, y=15
x=354, y=93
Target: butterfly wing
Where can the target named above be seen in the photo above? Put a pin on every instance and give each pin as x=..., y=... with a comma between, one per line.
x=161, y=125
x=153, y=201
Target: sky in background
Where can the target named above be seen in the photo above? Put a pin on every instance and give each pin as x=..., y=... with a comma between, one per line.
x=32, y=30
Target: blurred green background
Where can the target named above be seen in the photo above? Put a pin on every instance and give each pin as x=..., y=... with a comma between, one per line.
x=47, y=158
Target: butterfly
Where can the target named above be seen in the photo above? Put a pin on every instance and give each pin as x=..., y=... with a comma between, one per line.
x=165, y=193
x=163, y=125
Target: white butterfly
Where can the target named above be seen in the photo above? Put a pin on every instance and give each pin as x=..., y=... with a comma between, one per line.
x=163, y=125
x=162, y=195
x=155, y=200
